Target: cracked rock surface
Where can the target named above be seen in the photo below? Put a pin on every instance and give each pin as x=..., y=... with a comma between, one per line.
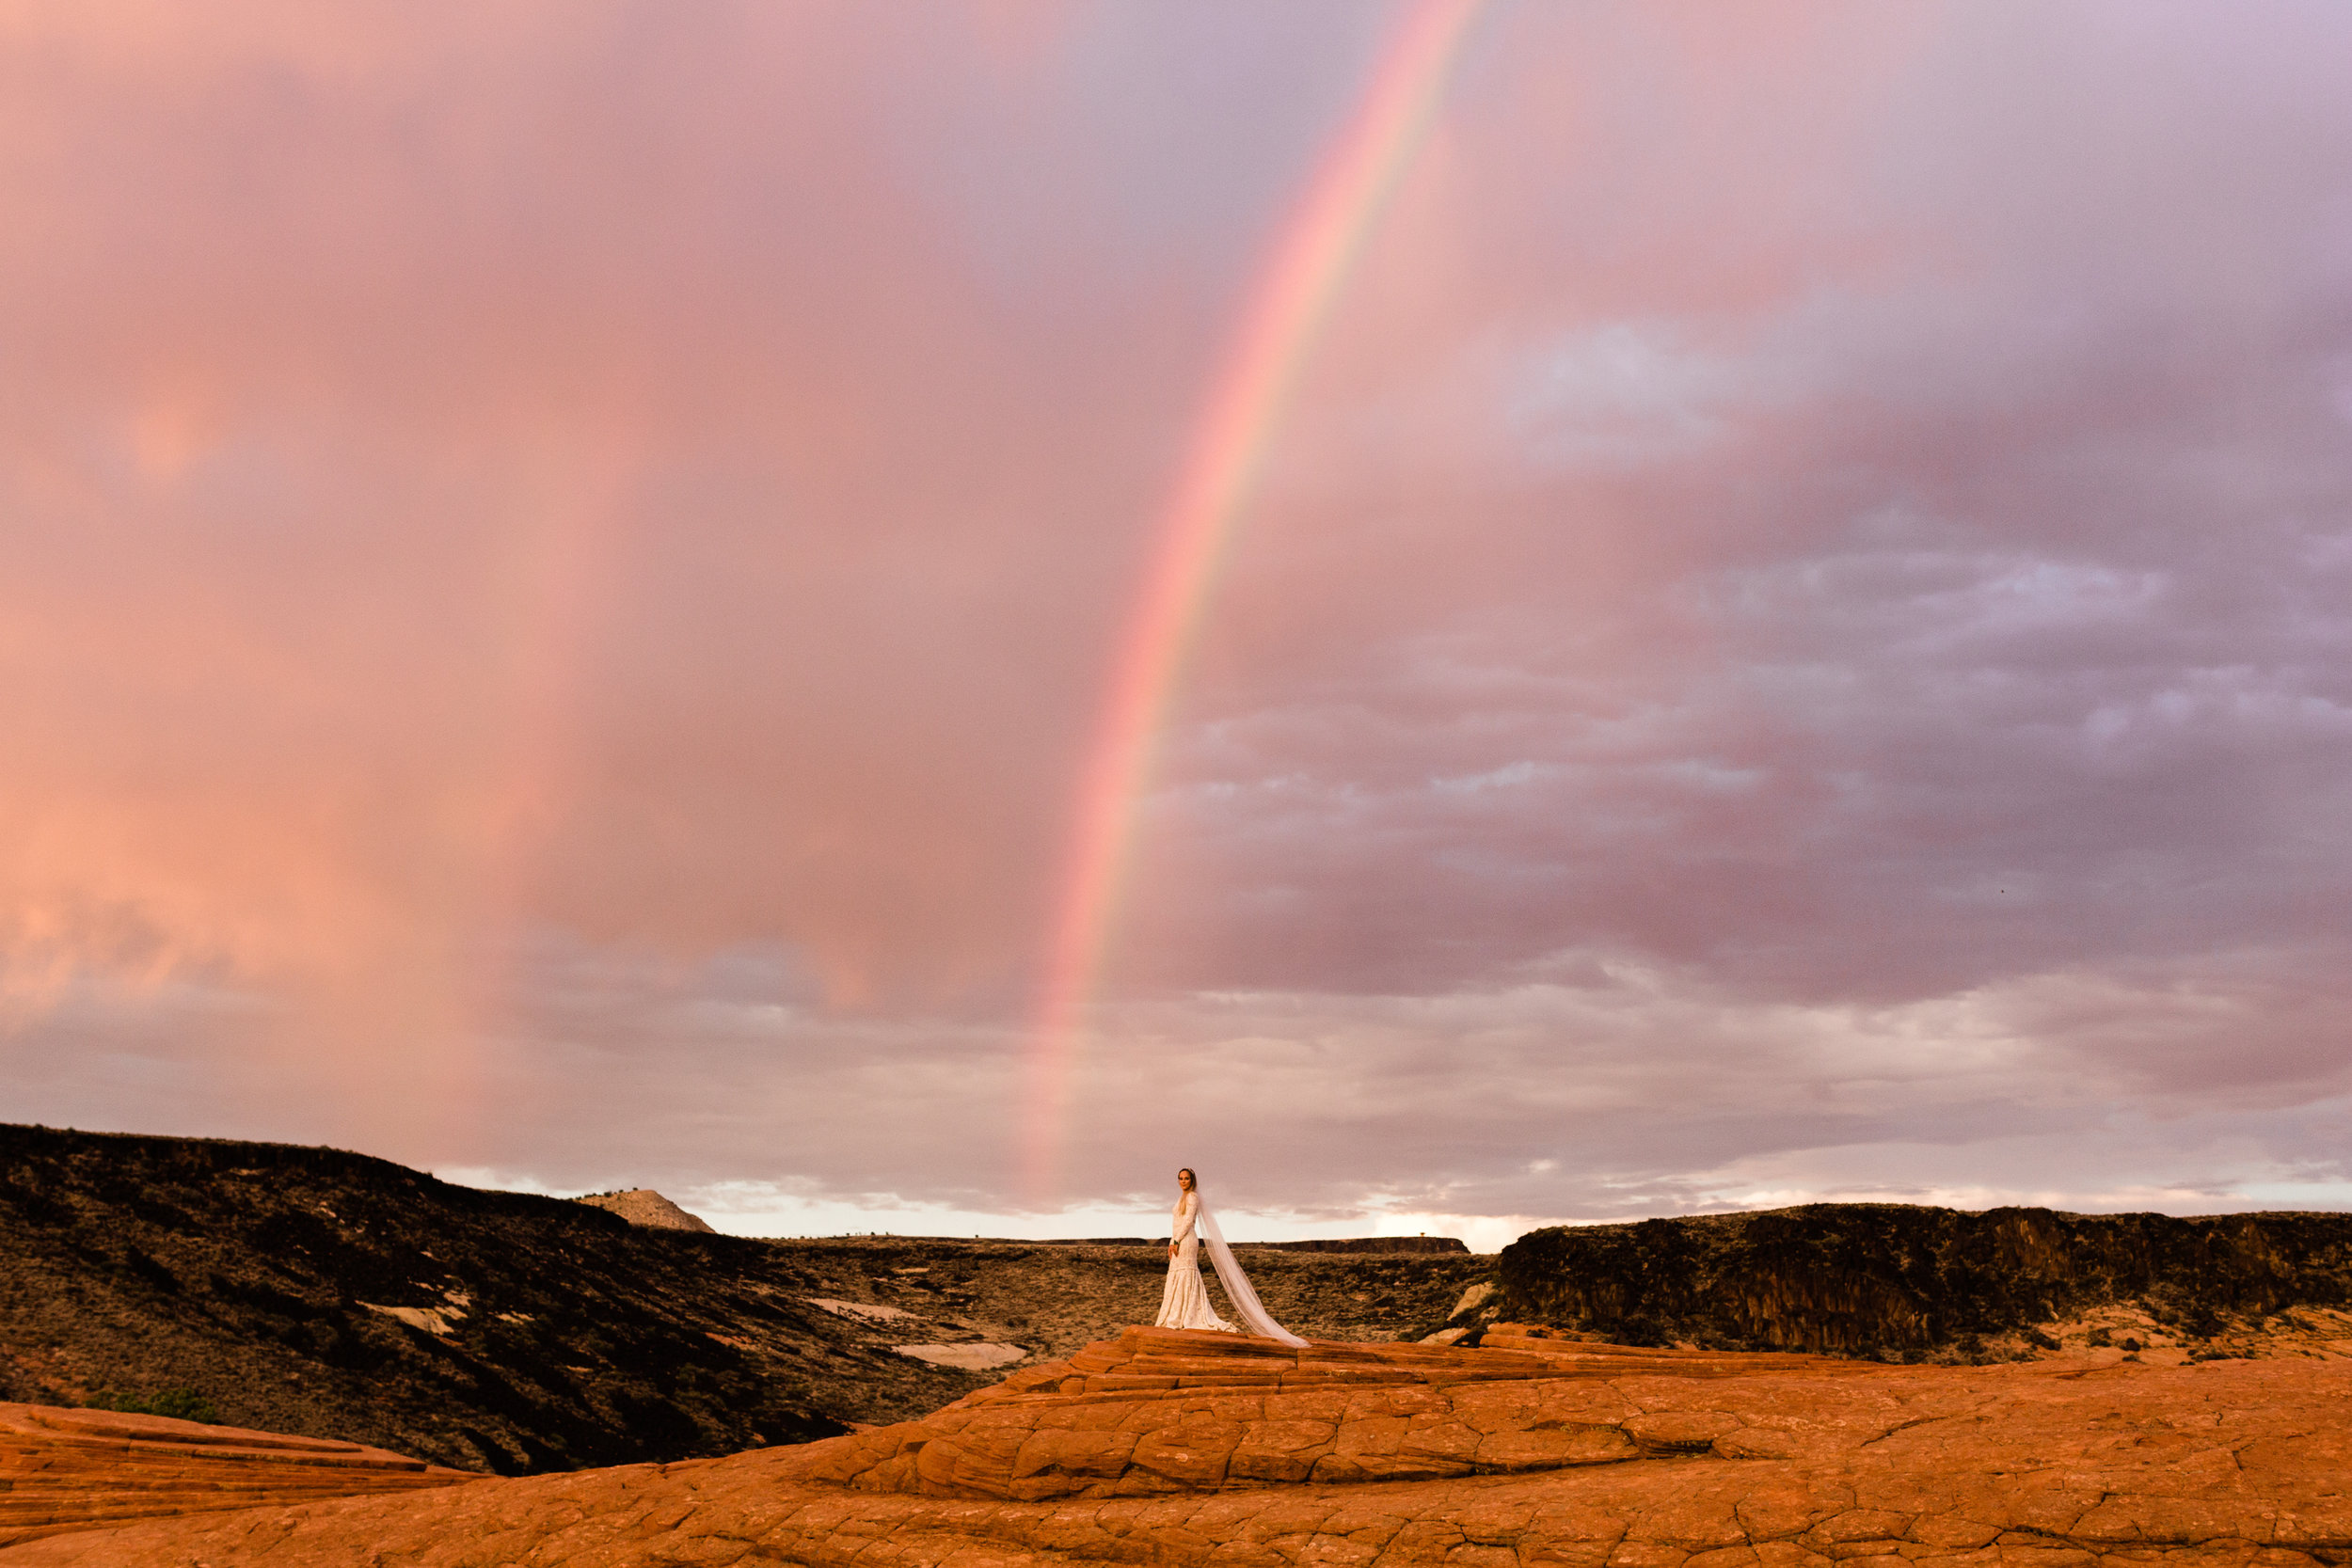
x=1199, y=1450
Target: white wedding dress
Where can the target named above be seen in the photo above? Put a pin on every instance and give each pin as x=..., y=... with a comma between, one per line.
x=1184, y=1299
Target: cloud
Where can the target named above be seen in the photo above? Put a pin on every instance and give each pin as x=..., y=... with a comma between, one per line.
x=561, y=564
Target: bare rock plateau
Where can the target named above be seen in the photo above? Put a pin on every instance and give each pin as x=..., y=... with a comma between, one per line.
x=1201, y=1451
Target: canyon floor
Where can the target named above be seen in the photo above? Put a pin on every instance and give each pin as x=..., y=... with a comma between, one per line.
x=1182, y=1449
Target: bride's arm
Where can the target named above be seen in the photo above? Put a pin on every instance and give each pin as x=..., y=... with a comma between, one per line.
x=1185, y=1208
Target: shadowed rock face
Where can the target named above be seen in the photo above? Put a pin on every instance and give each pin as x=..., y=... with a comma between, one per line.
x=1200, y=1452
x=1866, y=1279
x=318, y=1292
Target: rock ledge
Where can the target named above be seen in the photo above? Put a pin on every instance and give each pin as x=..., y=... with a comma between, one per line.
x=1182, y=1451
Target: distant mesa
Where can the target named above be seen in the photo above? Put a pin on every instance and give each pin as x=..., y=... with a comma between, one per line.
x=1367, y=1243
x=645, y=1207
x=1349, y=1244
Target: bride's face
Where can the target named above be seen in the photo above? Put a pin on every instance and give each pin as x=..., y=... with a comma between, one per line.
x=1183, y=1180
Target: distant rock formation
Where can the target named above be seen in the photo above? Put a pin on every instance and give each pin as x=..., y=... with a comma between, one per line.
x=1899, y=1281
x=1452, y=1245
x=1367, y=1243
x=645, y=1207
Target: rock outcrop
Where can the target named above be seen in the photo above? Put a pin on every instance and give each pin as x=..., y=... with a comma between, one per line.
x=645, y=1207
x=1898, y=1280
x=1209, y=1412
x=70, y=1470
x=327, y=1295
x=1178, y=1451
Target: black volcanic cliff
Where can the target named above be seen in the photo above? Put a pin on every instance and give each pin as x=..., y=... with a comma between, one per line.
x=310, y=1291
x=1903, y=1281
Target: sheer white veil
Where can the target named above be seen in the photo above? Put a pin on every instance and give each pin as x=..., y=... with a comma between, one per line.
x=1254, y=1313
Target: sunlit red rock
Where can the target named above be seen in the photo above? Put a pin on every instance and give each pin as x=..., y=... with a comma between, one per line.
x=1203, y=1451
x=70, y=1469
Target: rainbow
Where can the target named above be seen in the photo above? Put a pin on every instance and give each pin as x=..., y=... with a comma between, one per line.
x=1314, y=253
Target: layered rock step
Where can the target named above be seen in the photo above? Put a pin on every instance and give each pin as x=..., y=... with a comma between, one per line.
x=63, y=1469
x=1163, y=1360
x=1161, y=1411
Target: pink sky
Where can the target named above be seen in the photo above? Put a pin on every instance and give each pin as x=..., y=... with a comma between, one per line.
x=563, y=562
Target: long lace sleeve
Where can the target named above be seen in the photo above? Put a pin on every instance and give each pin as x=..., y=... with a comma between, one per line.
x=1186, y=1207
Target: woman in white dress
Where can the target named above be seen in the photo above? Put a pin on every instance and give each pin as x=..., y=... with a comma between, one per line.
x=1184, y=1299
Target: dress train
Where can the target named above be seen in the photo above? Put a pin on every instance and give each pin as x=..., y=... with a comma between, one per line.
x=1184, y=1299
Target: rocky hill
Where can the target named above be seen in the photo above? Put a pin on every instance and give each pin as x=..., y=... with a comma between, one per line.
x=1900, y=1282
x=643, y=1206
x=332, y=1295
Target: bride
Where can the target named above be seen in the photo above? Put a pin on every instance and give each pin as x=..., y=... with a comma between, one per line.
x=1185, y=1301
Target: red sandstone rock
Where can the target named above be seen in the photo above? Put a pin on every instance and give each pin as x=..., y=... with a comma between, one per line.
x=1607, y=1460
x=63, y=1470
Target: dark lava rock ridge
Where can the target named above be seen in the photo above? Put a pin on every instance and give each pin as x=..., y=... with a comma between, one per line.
x=329, y=1295
x=1900, y=1281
